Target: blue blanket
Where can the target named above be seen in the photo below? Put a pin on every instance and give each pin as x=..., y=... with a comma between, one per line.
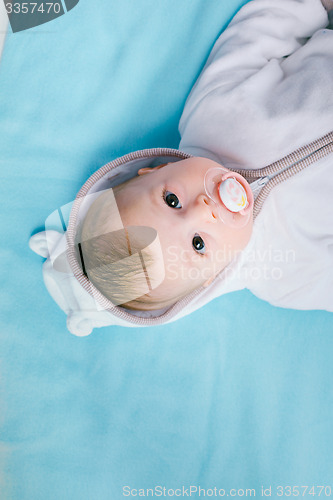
x=237, y=395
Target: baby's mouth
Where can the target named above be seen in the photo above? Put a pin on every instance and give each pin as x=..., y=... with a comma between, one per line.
x=233, y=200
x=246, y=186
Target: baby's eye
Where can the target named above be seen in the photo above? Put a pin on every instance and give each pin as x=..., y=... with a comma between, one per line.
x=198, y=244
x=171, y=199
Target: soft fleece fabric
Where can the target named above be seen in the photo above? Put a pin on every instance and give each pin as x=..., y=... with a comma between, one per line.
x=256, y=101
x=236, y=395
x=265, y=91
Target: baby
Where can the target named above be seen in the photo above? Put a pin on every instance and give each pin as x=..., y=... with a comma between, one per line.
x=261, y=113
x=196, y=244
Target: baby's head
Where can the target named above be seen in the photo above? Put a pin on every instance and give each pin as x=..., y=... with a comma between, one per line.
x=196, y=244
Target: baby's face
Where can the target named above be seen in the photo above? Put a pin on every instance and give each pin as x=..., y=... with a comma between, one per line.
x=172, y=199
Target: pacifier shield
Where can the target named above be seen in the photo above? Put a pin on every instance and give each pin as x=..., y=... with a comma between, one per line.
x=226, y=190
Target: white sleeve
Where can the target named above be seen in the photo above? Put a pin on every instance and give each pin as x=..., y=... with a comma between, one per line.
x=261, y=31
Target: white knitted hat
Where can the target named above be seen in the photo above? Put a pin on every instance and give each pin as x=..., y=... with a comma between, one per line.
x=63, y=271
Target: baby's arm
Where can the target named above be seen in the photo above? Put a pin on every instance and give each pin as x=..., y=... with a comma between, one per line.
x=261, y=31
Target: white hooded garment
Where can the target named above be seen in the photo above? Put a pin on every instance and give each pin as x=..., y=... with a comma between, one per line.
x=265, y=91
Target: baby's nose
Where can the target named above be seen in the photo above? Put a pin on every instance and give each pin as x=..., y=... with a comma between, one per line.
x=206, y=208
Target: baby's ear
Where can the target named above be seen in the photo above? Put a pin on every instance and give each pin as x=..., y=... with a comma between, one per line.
x=146, y=170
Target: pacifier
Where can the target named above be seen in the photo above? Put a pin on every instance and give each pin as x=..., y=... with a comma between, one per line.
x=228, y=191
